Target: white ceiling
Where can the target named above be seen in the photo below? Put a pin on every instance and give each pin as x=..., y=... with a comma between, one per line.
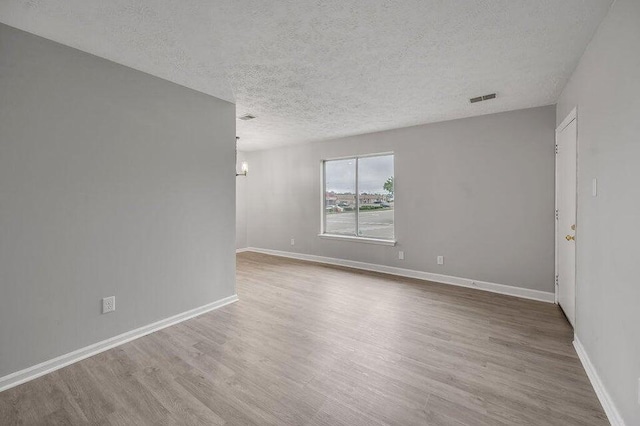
x=318, y=69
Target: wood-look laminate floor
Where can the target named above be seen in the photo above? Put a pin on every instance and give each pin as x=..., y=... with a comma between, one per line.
x=315, y=345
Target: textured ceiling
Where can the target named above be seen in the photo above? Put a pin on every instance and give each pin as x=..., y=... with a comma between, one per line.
x=318, y=69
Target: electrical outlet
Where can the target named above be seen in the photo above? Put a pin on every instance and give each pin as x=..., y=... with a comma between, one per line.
x=401, y=255
x=108, y=304
x=293, y=242
x=594, y=187
x=440, y=260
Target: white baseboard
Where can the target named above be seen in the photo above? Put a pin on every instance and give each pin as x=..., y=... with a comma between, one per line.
x=30, y=373
x=605, y=399
x=240, y=250
x=525, y=293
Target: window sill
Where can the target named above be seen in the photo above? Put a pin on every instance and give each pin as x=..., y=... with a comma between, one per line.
x=358, y=239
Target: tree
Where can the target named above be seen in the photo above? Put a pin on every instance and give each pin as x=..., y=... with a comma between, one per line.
x=388, y=185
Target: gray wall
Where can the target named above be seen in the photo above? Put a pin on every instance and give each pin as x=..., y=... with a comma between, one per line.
x=241, y=205
x=479, y=191
x=112, y=182
x=606, y=89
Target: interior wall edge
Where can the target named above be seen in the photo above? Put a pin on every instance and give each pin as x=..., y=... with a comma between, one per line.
x=524, y=293
x=46, y=367
x=601, y=391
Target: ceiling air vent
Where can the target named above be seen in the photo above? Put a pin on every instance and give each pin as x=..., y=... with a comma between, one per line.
x=247, y=117
x=482, y=98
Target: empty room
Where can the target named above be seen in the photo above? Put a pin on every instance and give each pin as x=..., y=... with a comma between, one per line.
x=243, y=212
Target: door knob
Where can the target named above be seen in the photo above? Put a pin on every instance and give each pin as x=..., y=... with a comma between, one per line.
x=570, y=237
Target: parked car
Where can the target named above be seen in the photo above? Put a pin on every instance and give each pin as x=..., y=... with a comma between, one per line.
x=335, y=209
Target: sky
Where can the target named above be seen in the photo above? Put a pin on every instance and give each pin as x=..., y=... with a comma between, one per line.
x=340, y=175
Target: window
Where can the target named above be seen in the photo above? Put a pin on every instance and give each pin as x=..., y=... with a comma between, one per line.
x=367, y=216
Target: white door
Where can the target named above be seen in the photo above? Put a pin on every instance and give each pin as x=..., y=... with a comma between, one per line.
x=566, y=205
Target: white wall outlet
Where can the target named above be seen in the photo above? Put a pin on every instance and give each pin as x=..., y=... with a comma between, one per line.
x=293, y=242
x=594, y=187
x=401, y=255
x=108, y=304
x=440, y=260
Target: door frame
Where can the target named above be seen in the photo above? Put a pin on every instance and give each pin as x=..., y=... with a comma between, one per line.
x=572, y=116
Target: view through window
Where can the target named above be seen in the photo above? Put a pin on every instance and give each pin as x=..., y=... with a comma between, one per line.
x=370, y=214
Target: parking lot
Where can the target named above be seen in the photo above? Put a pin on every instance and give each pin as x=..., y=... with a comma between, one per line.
x=373, y=223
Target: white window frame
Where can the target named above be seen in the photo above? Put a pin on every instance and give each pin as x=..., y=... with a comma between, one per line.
x=323, y=217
